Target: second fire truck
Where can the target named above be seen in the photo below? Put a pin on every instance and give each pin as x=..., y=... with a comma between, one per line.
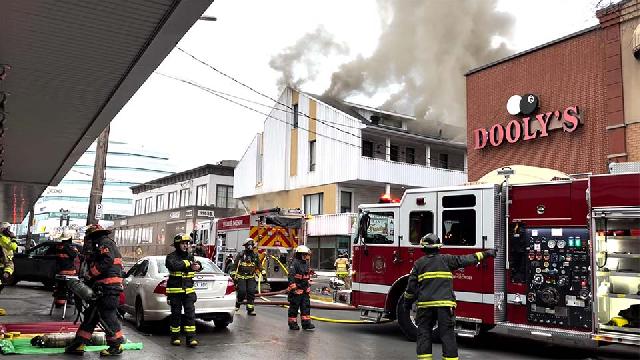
x=568, y=263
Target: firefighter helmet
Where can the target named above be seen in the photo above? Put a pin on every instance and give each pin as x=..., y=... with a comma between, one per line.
x=301, y=249
x=5, y=225
x=181, y=238
x=95, y=230
x=430, y=241
x=248, y=241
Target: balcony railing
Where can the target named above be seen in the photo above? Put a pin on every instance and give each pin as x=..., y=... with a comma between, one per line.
x=408, y=174
x=331, y=224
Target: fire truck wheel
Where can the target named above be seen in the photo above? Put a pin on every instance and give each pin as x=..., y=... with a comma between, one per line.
x=406, y=320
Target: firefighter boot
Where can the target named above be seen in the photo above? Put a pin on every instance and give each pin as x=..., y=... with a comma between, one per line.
x=76, y=347
x=112, y=350
x=192, y=342
x=251, y=311
x=293, y=326
x=175, y=340
x=237, y=306
x=307, y=325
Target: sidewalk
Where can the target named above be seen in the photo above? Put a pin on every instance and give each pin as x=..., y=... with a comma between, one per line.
x=30, y=303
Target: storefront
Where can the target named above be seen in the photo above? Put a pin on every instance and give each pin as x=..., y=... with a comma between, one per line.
x=569, y=105
x=327, y=236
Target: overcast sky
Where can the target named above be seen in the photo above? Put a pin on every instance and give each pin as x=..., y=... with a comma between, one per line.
x=194, y=127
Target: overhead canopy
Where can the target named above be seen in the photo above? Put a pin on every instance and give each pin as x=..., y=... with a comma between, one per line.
x=523, y=174
x=73, y=66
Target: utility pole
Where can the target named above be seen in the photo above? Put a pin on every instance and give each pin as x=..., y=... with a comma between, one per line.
x=99, y=167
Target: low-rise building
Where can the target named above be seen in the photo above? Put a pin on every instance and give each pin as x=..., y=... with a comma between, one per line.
x=185, y=202
x=327, y=157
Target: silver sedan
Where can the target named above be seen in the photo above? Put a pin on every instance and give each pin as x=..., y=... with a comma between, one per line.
x=145, y=292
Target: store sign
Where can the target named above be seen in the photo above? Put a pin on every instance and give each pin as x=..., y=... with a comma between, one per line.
x=205, y=213
x=174, y=215
x=528, y=128
x=238, y=222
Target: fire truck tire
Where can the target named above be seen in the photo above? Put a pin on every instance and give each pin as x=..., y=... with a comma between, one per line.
x=408, y=326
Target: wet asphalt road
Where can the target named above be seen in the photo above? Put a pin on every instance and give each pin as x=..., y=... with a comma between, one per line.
x=266, y=336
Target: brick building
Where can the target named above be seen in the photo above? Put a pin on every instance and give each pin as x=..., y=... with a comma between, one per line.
x=585, y=108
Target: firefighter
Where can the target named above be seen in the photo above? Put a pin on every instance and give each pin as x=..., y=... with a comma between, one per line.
x=104, y=275
x=431, y=284
x=180, y=292
x=247, y=266
x=7, y=246
x=66, y=255
x=299, y=289
x=342, y=268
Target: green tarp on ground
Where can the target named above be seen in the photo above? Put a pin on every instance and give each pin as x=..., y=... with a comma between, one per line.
x=23, y=347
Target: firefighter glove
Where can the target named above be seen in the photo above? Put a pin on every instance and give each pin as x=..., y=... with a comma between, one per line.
x=5, y=276
x=490, y=252
x=407, y=303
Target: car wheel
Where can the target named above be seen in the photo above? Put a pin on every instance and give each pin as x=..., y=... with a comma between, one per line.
x=220, y=324
x=407, y=321
x=139, y=315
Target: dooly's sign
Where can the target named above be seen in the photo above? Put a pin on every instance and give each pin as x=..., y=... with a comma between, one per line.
x=528, y=128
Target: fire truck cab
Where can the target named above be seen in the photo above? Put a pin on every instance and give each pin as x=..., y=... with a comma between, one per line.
x=543, y=281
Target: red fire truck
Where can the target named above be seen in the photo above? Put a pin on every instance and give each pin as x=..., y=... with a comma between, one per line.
x=276, y=233
x=567, y=267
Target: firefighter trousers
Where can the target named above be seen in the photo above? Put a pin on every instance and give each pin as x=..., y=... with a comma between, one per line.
x=299, y=302
x=247, y=291
x=426, y=319
x=107, y=310
x=177, y=303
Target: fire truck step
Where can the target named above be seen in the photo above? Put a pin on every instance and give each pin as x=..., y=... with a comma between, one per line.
x=467, y=330
x=371, y=314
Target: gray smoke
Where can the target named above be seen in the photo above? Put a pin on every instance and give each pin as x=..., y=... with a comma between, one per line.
x=303, y=53
x=424, y=50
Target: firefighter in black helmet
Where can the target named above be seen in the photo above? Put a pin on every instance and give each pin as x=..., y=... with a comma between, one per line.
x=247, y=266
x=180, y=292
x=431, y=285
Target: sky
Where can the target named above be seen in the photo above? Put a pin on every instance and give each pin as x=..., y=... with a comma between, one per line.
x=194, y=127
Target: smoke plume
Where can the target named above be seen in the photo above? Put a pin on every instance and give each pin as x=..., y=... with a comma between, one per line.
x=303, y=53
x=424, y=50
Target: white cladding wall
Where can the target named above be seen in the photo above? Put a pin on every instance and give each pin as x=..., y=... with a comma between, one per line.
x=244, y=180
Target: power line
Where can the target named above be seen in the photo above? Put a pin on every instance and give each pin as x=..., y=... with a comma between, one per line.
x=217, y=93
x=258, y=92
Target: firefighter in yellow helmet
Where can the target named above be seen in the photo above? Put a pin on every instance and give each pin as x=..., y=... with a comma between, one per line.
x=299, y=289
x=7, y=245
x=247, y=266
x=180, y=292
x=431, y=284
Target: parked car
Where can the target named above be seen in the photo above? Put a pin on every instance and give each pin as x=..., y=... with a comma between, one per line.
x=145, y=287
x=37, y=264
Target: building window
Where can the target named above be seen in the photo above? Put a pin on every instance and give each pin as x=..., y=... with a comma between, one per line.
x=411, y=155
x=312, y=155
x=313, y=204
x=367, y=148
x=201, y=195
x=224, y=196
x=393, y=153
x=148, y=205
x=345, y=201
x=160, y=202
x=184, y=197
x=138, y=208
x=173, y=200
x=420, y=224
x=295, y=116
x=444, y=161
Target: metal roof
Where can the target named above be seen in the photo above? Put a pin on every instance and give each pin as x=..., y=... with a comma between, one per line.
x=74, y=64
x=186, y=175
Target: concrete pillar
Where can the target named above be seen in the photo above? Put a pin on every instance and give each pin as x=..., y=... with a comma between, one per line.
x=465, y=162
x=387, y=189
x=428, y=155
x=388, y=149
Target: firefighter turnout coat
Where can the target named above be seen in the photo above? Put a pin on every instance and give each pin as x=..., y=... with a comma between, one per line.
x=180, y=273
x=105, y=265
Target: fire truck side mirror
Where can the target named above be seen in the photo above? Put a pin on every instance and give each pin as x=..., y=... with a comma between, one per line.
x=363, y=226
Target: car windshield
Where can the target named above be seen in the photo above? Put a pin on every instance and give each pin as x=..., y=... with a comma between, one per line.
x=207, y=266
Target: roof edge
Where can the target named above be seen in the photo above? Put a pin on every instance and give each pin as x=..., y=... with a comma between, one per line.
x=533, y=49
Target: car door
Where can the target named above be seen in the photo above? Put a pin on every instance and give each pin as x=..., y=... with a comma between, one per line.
x=39, y=265
x=129, y=286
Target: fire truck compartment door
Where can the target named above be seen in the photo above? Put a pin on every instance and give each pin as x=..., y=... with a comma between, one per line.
x=418, y=218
